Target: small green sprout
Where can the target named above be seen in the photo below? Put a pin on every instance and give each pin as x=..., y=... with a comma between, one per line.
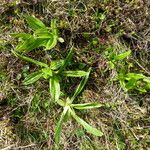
x=53, y=72
x=42, y=36
x=115, y=58
x=69, y=110
x=129, y=81
x=134, y=81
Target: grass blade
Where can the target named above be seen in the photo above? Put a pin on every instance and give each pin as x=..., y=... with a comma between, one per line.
x=122, y=56
x=86, y=126
x=59, y=128
x=147, y=79
x=86, y=106
x=81, y=86
x=56, y=64
x=54, y=88
x=29, y=59
x=66, y=61
x=53, y=27
x=33, y=77
x=77, y=73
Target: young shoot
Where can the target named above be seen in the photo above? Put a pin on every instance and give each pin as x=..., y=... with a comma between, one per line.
x=53, y=73
x=42, y=36
x=69, y=110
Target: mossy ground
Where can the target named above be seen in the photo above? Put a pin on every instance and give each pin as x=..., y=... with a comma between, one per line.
x=27, y=116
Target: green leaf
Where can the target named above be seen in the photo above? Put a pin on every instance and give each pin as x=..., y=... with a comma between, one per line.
x=147, y=79
x=47, y=72
x=86, y=126
x=23, y=36
x=67, y=60
x=148, y=85
x=29, y=44
x=52, y=42
x=43, y=33
x=86, y=106
x=77, y=73
x=141, y=90
x=33, y=77
x=135, y=76
x=122, y=56
x=56, y=64
x=59, y=127
x=35, y=103
x=111, y=64
x=34, y=23
x=54, y=27
x=61, y=103
x=123, y=85
x=54, y=88
x=130, y=84
x=44, y=43
x=81, y=86
x=29, y=59
x=111, y=56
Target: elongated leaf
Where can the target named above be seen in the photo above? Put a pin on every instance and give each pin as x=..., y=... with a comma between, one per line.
x=86, y=106
x=130, y=84
x=29, y=59
x=81, y=86
x=34, y=23
x=53, y=27
x=54, y=88
x=56, y=64
x=43, y=33
x=135, y=76
x=29, y=44
x=77, y=73
x=45, y=41
x=47, y=73
x=51, y=42
x=59, y=127
x=67, y=60
x=33, y=77
x=86, y=126
x=147, y=79
x=123, y=85
x=122, y=56
x=23, y=36
x=61, y=103
x=148, y=85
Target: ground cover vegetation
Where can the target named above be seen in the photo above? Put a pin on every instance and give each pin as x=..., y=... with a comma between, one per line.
x=74, y=75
